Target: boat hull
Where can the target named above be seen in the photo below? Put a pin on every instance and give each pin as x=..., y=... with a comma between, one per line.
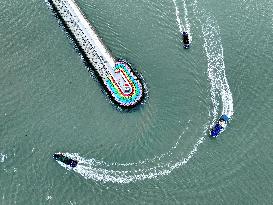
x=66, y=160
x=219, y=126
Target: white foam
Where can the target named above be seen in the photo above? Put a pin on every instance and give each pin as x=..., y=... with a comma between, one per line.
x=101, y=171
x=216, y=65
x=186, y=26
x=187, y=22
x=88, y=169
x=48, y=197
x=220, y=92
x=180, y=25
x=3, y=157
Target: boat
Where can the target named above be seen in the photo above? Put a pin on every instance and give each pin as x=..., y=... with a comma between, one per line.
x=64, y=159
x=186, y=40
x=219, y=126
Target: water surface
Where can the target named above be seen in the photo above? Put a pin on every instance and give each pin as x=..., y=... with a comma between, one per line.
x=49, y=103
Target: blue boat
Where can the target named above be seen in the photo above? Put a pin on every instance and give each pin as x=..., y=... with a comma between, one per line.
x=186, y=40
x=219, y=126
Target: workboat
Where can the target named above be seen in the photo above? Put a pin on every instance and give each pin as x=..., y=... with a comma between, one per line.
x=186, y=40
x=66, y=160
x=219, y=126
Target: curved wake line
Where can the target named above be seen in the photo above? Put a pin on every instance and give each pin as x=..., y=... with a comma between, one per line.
x=101, y=171
x=216, y=65
x=88, y=169
x=143, y=162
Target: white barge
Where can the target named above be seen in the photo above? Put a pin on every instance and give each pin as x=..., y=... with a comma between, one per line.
x=117, y=76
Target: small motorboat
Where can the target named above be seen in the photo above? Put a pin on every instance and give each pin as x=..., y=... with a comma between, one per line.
x=219, y=126
x=186, y=40
x=66, y=160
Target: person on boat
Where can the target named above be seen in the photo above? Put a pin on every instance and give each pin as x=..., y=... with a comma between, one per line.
x=185, y=37
x=222, y=122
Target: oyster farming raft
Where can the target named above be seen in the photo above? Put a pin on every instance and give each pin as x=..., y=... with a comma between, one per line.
x=118, y=78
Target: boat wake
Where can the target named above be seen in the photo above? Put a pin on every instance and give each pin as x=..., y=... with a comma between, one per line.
x=185, y=24
x=164, y=164
x=216, y=66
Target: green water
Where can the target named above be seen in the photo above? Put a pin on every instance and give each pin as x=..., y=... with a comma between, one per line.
x=50, y=103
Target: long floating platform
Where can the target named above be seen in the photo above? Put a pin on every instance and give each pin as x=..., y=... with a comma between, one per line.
x=117, y=76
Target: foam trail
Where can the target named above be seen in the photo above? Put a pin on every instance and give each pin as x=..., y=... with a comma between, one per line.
x=187, y=22
x=130, y=172
x=90, y=169
x=180, y=25
x=216, y=65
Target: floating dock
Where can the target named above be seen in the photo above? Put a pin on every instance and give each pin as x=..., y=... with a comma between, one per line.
x=117, y=76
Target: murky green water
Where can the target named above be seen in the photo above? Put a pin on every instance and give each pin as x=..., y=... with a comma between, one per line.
x=159, y=153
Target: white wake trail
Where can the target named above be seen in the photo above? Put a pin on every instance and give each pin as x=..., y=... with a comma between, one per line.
x=186, y=26
x=178, y=20
x=92, y=169
x=216, y=65
x=220, y=92
x=187, y=22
